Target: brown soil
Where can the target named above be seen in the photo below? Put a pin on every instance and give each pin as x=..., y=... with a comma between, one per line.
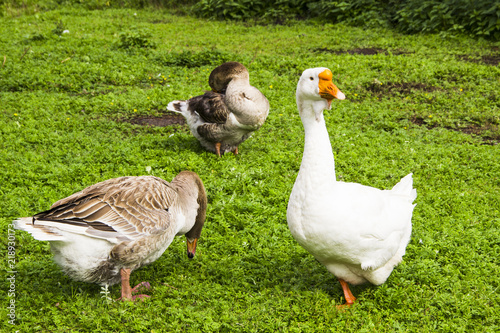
x=471, y=129
x=403, y=88
x=362, y=51
x=492, y=60
x=167, y=119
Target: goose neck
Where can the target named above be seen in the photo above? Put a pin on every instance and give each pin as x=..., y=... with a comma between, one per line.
x=317, y=160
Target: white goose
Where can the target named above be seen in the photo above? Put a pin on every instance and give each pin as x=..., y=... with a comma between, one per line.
x=358, y=232
x=223, y=118
x=104, y=232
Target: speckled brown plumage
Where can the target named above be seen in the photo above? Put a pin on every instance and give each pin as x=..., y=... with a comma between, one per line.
x=121, y=223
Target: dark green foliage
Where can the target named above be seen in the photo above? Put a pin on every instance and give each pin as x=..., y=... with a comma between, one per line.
x=480, y=17
x=137, y=38
x=14, y=7
x=358, y=12
x=275, y=10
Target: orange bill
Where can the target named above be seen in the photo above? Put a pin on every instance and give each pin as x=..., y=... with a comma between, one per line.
x=327, y=89
x=191, y=247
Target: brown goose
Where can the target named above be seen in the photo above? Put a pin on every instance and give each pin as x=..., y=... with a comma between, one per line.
x=223, y=118
x=104, y=232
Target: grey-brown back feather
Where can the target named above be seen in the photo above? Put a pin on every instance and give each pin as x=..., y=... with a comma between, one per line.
x=128, y=205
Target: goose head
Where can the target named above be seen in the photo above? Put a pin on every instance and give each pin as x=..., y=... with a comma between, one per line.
x=316, y=91
x=225, y=73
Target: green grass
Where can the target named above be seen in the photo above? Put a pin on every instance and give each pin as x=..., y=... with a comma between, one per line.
x=64, y=102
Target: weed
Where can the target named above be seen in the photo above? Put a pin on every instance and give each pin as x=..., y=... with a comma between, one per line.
x=59, y=29
x=137, y=38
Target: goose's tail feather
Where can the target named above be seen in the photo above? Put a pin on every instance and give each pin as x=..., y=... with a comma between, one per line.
x=178, y=106
x=38, y=231
x=405, y=187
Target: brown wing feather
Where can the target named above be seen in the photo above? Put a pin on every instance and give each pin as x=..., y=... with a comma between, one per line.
x=210, y=106
x=128, y=205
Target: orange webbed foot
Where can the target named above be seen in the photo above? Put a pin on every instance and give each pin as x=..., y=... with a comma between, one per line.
x=349, y=297
x=127, y=291
x=142, y=285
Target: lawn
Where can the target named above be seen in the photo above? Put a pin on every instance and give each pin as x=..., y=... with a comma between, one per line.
x=83, y=92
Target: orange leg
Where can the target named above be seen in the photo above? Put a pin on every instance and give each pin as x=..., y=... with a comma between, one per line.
x=217, y=148
x=127, y=291
x=235, y=151
x=349, y=297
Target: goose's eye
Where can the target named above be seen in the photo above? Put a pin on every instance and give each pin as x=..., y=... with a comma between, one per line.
x=311, y=78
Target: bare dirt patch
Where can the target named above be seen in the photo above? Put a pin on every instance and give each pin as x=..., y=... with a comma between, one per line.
x=362, y=51
x=492, y=60
x=482, y=131
x=167, y=119
x=401, y=88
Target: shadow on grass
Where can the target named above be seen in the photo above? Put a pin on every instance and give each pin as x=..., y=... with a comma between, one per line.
x=48, y=278
x=298, y=273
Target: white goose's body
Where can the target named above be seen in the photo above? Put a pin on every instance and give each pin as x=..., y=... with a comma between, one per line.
x=104, y=232
x=358, y=232
x=223, y=118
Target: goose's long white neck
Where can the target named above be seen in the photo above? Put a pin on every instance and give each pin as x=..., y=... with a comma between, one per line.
x=318, y=165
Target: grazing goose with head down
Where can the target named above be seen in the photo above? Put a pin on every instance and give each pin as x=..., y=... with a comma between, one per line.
x=359, y=233
x=104, y=232
x=223, y=118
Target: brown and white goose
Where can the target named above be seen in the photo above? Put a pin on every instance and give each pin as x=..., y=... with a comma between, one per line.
x=223, y=118
x=104, y=232
x=358, y=232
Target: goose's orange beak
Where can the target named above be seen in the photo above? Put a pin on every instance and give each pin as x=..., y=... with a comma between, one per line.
x=327, y=89
x=191, y=248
